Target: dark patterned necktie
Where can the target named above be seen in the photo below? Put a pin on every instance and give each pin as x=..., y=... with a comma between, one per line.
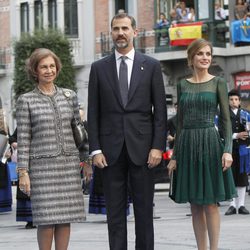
x=123, y=80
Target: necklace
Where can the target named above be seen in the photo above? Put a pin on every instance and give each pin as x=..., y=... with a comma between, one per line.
x=51, y=92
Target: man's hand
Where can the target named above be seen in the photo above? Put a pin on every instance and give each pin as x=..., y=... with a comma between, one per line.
x=154, y=158
x=227, y=160
x=242, y=135
x=99, y=160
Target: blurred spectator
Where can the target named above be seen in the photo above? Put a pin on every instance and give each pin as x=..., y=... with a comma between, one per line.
x=219, y=13
x=5, y=180
x=174, y=18
x=191, y=15
x=240, y=10
x=247, y=3
x=180, y=7
x=161, y=29
x=172, y=125
x=23, y=204
x=120, y=11
x=184, y=16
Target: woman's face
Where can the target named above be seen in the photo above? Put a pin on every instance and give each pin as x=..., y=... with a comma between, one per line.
x=202, y=59
x=46, y=70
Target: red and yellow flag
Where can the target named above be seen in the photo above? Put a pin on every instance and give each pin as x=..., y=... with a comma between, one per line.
x=182, y=34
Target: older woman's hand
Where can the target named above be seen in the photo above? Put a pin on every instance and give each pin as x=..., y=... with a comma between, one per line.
x=227, y=160
x=24, y=182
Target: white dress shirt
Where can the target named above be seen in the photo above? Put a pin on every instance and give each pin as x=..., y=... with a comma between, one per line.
x=235, y=134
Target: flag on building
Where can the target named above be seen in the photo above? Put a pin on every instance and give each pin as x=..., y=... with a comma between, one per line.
x=240, y=30
x=182, y=34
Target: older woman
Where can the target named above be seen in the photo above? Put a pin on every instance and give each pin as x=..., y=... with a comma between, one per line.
x=203, y=176
x=48, y=159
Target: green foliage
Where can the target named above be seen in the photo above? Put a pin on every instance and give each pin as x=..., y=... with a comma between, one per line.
x=51, y=39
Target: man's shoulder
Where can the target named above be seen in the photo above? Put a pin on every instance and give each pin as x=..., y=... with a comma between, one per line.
x=103, y=60
x=145, y=57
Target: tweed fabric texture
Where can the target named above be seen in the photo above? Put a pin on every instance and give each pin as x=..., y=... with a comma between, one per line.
x=47, y=149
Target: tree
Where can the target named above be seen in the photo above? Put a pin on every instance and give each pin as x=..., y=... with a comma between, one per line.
x=53, y=40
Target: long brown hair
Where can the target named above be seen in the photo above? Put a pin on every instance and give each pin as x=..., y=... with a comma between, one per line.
x=194, y=47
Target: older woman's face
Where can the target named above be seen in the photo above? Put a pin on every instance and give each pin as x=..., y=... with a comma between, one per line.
x=46, y=70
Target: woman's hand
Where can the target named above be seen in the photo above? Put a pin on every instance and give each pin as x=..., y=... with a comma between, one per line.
x=227, y=160
x=24, y=183
x=87, y=172
x=171, y=166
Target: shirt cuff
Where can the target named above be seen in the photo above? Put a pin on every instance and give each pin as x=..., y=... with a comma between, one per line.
x=234, y=136
x=95, y=152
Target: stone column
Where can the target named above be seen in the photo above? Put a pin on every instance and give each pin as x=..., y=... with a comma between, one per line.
x=60, y=15
x=31, y=16
x=45, y=14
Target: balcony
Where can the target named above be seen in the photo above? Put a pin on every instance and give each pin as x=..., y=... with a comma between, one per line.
x=157, y=43
x=77, y=51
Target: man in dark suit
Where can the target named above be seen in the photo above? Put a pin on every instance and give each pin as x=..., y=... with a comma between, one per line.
x=127, y=132
x=240, y=136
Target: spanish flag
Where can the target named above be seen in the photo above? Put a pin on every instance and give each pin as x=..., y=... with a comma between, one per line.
x=182, y=34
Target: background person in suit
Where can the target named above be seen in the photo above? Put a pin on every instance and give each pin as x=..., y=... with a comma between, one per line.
x=127, y=131
x=171, y=131
x=240, y=136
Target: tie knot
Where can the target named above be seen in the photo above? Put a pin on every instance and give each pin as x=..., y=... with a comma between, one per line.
x=123, y=58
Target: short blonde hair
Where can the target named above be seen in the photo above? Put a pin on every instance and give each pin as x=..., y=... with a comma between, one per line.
x=34, y=59
x=194, y=47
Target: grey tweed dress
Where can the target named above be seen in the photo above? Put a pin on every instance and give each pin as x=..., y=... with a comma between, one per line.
x=46, y=148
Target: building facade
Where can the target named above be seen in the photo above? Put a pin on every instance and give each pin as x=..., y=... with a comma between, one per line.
x=86, y=23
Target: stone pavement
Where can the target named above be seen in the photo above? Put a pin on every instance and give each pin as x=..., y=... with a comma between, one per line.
x=173, y=229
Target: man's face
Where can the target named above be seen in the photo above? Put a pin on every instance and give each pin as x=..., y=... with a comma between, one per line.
x=123, y=34
x=234, y=101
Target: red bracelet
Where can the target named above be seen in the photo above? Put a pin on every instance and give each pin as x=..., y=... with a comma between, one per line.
x=83, y=164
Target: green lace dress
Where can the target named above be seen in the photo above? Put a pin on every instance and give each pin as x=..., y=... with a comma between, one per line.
x=199, y=178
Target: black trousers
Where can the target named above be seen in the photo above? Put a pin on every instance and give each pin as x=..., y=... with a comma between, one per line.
x=240, y=179
x=141, y=182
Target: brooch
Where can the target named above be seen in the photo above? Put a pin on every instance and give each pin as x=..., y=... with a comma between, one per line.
x=67, y=93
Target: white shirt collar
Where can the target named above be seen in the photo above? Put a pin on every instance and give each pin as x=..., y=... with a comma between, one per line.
x=130, y=55
x=235, y=110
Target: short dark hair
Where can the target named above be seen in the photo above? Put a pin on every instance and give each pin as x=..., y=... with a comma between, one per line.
x=234, y=92
x=124, y=15
x=36, y=56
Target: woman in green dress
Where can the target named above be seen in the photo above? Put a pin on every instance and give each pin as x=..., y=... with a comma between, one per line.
x=201, y=160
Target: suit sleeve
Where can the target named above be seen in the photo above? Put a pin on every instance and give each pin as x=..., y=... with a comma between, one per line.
x=160, y=111
x=93, y=111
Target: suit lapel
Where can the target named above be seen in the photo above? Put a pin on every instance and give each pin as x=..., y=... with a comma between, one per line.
x=137, y=73
x=112, y=76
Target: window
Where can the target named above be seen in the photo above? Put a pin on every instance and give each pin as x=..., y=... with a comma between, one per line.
x=121, y=5
x=71, y=18
x=24, y=17
x=203, y=9
x=38, y=15
x=52, y=12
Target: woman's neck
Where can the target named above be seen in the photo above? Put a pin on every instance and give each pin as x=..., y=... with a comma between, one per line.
x=47, y=89
x=201, y=76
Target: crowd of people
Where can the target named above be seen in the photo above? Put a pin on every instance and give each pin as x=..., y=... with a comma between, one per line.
x=127, y=133
x=180, y=13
